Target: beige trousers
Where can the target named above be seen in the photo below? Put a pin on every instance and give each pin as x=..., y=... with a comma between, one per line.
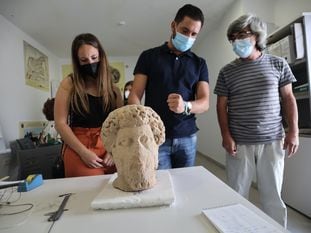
x=267, y=160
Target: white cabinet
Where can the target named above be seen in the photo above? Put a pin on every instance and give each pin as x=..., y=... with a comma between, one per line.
x=296, y=190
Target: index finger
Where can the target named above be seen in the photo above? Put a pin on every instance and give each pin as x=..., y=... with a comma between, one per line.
x=292, y=149
x=173, y=95
x=97, y=164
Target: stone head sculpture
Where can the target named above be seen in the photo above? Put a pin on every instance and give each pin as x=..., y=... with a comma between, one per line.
x=132, y=134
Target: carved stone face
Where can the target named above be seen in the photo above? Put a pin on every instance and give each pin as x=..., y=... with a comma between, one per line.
x=135, y=154
x=132, y=134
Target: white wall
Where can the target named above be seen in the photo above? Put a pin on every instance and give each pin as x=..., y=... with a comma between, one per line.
x=19, y=102
x=217, y=51
x=288, y=10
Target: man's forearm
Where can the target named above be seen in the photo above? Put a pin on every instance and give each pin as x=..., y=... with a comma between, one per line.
x=133, y=99
x=291, y=113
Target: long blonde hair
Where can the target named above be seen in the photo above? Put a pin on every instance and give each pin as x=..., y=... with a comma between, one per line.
x=79, y=97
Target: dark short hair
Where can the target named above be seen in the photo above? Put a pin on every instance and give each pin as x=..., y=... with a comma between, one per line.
x=48, y=109
x=129, y=83
x=191, y=11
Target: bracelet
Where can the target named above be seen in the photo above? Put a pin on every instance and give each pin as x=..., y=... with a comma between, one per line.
x=187, y=108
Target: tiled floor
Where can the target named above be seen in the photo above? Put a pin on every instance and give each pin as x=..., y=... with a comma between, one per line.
x=296, y=222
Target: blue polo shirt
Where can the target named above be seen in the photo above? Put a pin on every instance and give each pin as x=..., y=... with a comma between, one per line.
x=168, y=73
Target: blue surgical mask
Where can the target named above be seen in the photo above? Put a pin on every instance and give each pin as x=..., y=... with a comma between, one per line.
x=182, y=43
x=243, y=48
x=126, y=94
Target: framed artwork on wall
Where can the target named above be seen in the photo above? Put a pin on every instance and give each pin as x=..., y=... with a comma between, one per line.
x=118, y=74
x=36, y=68
x=66, y=70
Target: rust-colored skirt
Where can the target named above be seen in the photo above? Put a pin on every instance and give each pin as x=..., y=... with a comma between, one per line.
x=74, y=165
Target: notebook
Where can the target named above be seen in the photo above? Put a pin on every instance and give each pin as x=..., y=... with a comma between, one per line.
x=237, y=218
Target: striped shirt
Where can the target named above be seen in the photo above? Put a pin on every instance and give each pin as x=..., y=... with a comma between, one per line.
x=252, y=88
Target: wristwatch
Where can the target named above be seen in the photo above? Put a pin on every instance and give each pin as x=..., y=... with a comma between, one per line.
x=188, y=107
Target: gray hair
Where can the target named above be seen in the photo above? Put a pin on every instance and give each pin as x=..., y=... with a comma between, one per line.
x=131, y=116
x=255, y=24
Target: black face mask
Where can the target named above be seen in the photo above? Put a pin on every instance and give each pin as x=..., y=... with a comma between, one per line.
x=90, y=69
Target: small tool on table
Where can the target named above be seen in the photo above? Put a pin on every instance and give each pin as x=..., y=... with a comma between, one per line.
x=54, y=216
x=58, y=213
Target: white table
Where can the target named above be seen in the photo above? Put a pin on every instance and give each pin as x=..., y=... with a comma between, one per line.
x=195, y=188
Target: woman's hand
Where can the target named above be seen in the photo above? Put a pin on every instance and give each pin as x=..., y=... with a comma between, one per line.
x=91, y=159
x=108, y=160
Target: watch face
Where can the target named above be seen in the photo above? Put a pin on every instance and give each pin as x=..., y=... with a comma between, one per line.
x=189, y=106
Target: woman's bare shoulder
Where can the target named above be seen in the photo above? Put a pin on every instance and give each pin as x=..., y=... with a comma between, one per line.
x=66, y=83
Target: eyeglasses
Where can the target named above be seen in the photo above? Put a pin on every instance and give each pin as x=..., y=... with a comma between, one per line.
x=240, y=35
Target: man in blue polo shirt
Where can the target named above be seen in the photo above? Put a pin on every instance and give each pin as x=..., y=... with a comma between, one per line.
x=175, y=82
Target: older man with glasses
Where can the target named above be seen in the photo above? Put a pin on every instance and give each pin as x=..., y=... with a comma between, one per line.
x=249, y=90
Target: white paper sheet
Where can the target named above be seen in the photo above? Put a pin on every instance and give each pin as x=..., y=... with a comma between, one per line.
x=237, y=218
x=112, y=198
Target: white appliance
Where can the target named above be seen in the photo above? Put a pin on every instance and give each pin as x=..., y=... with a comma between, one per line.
x=296, y=190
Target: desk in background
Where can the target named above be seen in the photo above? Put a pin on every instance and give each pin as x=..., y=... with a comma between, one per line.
x=195, y=188
x=36, y=160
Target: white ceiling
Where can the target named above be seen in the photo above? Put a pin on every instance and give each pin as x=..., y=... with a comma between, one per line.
x=55, y=23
